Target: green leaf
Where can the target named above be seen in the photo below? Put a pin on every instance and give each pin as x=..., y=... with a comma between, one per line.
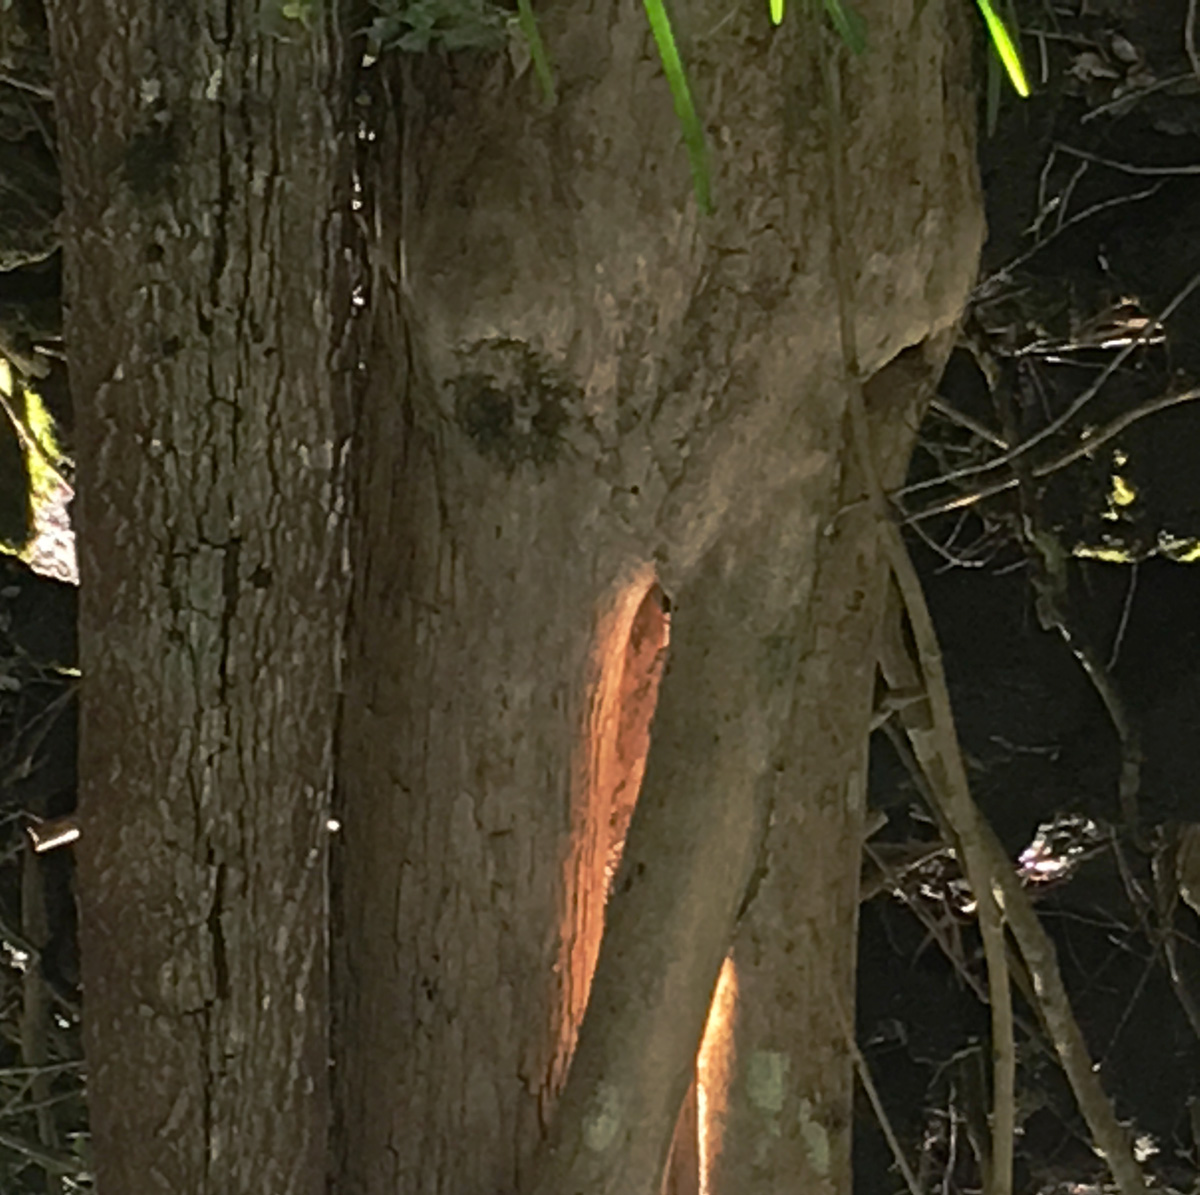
x=537, y=50
x=421, y=25
x=681, y=93
x=298, y=10
x=850, y=26
x=414, y=42
x=1005, y=47
x=776, y=12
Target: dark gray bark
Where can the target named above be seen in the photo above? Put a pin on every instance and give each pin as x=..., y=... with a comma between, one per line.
x=200, y=168
x=581, y=387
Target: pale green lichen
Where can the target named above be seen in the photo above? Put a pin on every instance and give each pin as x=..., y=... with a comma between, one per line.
x=816, y=1139
x=766, y=1080
x=603, y=1118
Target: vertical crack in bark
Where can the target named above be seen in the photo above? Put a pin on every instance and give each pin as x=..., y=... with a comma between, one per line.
x=224, y=202
x=230, y=587
x=216, y=931
x=762, y=863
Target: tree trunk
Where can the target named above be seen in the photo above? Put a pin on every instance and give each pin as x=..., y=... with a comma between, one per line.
x=582, y=389
x=200, y=165
x=787, y=1102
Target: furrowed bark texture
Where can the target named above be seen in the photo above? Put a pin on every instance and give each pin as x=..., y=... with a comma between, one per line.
x=581, y=386
x=200, y=170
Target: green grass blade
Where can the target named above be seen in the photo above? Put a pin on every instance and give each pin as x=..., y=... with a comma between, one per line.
x=776, y=12
x=681, y=93
x=850, y=26
x=1005, y=47
x=537, y=50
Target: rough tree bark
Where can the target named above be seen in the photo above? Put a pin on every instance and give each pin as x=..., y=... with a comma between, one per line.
x=581, y=389
x=200, y=163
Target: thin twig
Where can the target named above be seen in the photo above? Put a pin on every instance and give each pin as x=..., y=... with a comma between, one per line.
x=1152, y=326
x=1166, y=885
x=1130, y=779
x=968, y=421
x=935, y=745
x=53, y=1161
x=999, y=1179
x=1064, y=198
x=1130, y=1005
x=1044, y=206
x=1016, y=969
x=864, y=1077
x=42, y=93
x=1038, y=951
x=1186, y=1000
x=1126, y=101
x=1087, y=445
x=35, y=1012
x=50, y=1068
x=1040, y=957
x=1129, y=167
x=985, y=288
x=952, y=560
x=31, y=443
x=1189, y=38
x=1126, y=608
x=1102, y=435
x=935, y=930
x=33, y=733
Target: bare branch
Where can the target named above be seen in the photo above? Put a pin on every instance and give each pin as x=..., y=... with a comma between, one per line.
x=1151, y=328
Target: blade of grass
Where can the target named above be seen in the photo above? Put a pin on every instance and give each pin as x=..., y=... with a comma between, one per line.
x=776, y=12
x=1005, y=47
x=681, y=93
x=850, y=26
x=537, y=50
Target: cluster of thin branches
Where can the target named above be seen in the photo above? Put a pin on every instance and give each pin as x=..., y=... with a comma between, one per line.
x=43, y=1117
x=1016, y=946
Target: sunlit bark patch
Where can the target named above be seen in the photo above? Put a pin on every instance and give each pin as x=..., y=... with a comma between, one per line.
x=624, y=760
x=627, y=662
x=630, y=652
x=714, y=1066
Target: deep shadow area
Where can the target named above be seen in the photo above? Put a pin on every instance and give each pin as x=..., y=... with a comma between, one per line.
x=1064, y=594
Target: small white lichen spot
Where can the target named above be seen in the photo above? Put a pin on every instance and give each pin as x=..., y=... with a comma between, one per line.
x=603, y=1118
x=816, y=1139
x=766, y=1080
x=213, y=89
